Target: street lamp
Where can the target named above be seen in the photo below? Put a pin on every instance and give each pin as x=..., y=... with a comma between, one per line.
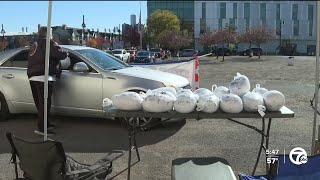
x=2, y=32
x=280, y=32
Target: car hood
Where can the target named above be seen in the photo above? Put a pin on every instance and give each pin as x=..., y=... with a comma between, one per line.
x=146, y=73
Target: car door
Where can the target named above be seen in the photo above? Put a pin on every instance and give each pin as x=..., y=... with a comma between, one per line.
x=78, y=93
x=14, y=82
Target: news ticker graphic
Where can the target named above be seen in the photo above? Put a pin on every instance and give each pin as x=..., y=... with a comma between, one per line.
x=297, y=156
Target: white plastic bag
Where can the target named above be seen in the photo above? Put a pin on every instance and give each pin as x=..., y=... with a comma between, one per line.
x=208, y=103
x=129, y=101
x=253, y=102
x=202, y=91
x=231, y=103
x=170, y=89
x=274, y=100
x=163, y=92
x=106, y=104
x=220, y=91
x=259, y=89
x=185, y=103
x=157, y=103
x=240, y=85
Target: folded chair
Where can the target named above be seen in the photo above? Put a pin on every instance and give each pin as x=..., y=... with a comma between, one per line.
x=46, y=160
x=284, y=169
x=207, y=168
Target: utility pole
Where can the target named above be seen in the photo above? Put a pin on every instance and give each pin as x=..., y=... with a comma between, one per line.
x=83, y=29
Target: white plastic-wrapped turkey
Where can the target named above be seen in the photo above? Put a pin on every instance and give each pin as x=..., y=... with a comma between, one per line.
x=170, y=89
x=186, y=102
x=259, y=89
x=208, y=103
x=220, y=91
x=163, y=92
x=202, y=91
x=158, y=102
x=253, y=102
x=274, y=100
x=240, y=85
x=129, y=101
x=231, y=103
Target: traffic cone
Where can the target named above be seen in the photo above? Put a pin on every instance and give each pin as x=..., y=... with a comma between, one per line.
x=197, y=76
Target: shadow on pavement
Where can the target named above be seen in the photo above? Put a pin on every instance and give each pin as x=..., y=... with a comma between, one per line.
x=85, y=135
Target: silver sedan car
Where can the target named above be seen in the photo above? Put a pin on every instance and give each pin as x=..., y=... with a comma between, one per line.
x=92, y=76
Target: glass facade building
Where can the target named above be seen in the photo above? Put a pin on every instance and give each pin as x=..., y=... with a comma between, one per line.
x=183, y=9
x=294, y=20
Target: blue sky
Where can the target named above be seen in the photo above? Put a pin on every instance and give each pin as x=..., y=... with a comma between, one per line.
x=98, y=14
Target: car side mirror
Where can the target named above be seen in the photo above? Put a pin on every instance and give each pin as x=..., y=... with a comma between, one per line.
x=80, y=67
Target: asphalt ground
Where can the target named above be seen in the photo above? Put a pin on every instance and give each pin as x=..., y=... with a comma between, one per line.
x=88, y=139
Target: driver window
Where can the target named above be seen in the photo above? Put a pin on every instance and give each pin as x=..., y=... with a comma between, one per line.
x=74, y=59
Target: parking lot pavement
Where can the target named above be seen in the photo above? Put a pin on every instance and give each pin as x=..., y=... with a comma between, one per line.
x=87, y=139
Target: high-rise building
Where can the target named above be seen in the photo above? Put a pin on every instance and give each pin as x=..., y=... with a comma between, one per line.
x=133, y=19
x=295, y=20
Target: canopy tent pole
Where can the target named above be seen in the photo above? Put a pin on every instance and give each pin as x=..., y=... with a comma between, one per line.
x=46, y=72
x=316, y=81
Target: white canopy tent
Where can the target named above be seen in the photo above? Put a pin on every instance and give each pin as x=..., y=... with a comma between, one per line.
x=46, y=73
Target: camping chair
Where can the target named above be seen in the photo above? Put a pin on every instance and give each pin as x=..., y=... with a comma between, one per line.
x=284, y=169
x=208, y=168
x=46, y=160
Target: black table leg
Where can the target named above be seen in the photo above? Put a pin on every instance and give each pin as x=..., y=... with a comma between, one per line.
x=261, y=146
x=267, y=142
x=130, y=145
x=132, y=137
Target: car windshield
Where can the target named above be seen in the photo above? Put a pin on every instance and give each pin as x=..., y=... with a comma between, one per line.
x=117, y=52
x=144, y=53
x=102, y=59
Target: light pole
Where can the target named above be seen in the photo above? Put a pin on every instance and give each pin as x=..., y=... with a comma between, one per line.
x=2, y=32
x=280, y=33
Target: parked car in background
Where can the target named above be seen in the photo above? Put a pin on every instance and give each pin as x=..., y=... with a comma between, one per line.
x=133, y=54
x=256, y=52
x=221, y=51
x=157, y=51
x=91, y=76
x=144, y=57
x=122, y=54
x=109, y=52
x=188, y=53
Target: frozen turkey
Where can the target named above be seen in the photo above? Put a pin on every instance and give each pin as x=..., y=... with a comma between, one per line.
x=208, y=103
x=259, y=89
x=157, y=102
x=220, y=91
x=231, y=103
x=185, y=103
x=240, y=85
x=274, y=100
x=129, y=101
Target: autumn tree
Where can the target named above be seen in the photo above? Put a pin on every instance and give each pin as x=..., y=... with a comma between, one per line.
x=3, y=45
x=160, y=21
x=210, y=39
x=257, y=36
x=226, y=36
x=171, y=39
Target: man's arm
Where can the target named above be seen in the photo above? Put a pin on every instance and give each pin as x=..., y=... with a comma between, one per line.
x=56, y=51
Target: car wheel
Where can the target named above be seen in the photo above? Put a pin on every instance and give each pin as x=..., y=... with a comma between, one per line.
x=4, y=110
